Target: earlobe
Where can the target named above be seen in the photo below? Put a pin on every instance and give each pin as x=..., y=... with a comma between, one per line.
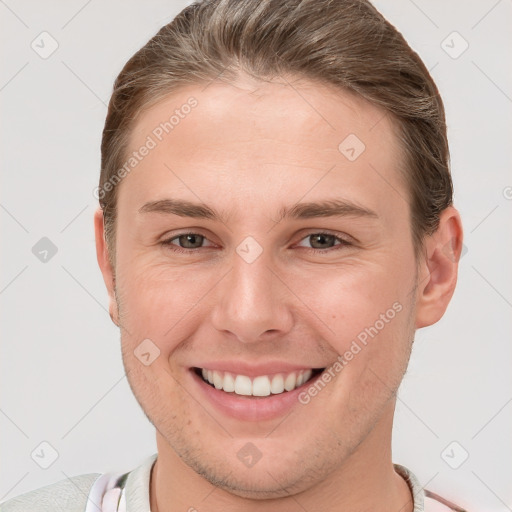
x=438, y=270
x=105, y=264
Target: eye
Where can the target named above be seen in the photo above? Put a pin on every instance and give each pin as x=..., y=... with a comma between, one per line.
x=322, y=242
x=186, y=242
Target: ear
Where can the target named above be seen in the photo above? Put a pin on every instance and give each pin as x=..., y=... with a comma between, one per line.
x=438, y=268
x=105, y=265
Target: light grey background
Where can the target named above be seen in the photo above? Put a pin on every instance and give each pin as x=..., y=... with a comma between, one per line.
x=61, y=371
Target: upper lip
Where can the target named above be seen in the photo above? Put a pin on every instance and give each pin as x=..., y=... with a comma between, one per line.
x=254, y=370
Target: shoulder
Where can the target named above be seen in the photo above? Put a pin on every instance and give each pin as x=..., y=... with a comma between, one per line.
x=87, y=493
x=68, y=495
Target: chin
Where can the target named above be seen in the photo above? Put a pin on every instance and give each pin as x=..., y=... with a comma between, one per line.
x=262, y=483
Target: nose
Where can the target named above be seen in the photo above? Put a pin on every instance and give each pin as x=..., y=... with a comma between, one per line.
x=252, y=301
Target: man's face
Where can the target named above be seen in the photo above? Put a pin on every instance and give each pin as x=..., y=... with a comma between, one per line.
x=255, y=293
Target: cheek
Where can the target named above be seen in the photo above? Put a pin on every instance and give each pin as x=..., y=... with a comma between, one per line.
x=353, y=299
x=155, y=299
x=342, y=302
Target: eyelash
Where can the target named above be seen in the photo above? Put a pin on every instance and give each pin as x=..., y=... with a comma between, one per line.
x=343, y=243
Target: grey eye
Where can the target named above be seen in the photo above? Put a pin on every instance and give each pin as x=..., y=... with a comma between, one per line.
x=322, y=240
x=190, y=240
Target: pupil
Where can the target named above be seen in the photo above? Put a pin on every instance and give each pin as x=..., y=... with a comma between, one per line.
x=323, y=238
x=185, y=239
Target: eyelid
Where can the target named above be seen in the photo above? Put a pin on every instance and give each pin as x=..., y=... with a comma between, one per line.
x=322, y=231
x=167, y=239
x=343, y=239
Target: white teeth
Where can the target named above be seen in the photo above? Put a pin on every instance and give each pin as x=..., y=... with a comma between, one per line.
x=277, y=385
x=243, y=385
x=303, y=377
x=217, y=379
x=290, y=381
x=306, y=376
x=259, y=386
x=229, y=383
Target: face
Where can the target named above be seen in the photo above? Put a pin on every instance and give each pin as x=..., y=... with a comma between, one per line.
x=260, y=279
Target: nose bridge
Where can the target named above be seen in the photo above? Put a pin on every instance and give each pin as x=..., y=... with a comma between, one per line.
x=250, y=300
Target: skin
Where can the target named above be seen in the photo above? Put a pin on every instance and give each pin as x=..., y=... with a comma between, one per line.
x=247, y=150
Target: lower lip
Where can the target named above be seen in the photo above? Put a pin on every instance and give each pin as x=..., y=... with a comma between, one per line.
x=251, y=408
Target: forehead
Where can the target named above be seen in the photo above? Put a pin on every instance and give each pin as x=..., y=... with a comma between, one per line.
x=256, y=142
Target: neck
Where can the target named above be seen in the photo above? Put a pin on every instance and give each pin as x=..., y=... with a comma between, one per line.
x=366, y=480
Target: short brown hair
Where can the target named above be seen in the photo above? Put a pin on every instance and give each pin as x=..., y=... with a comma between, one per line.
x=346, y=43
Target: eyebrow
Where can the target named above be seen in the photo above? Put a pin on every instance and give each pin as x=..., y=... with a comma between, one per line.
x=328, y=208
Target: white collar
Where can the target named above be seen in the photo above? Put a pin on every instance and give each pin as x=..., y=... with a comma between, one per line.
x=129, y=492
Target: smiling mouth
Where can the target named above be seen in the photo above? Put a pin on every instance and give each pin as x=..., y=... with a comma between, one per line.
x=261, y=386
